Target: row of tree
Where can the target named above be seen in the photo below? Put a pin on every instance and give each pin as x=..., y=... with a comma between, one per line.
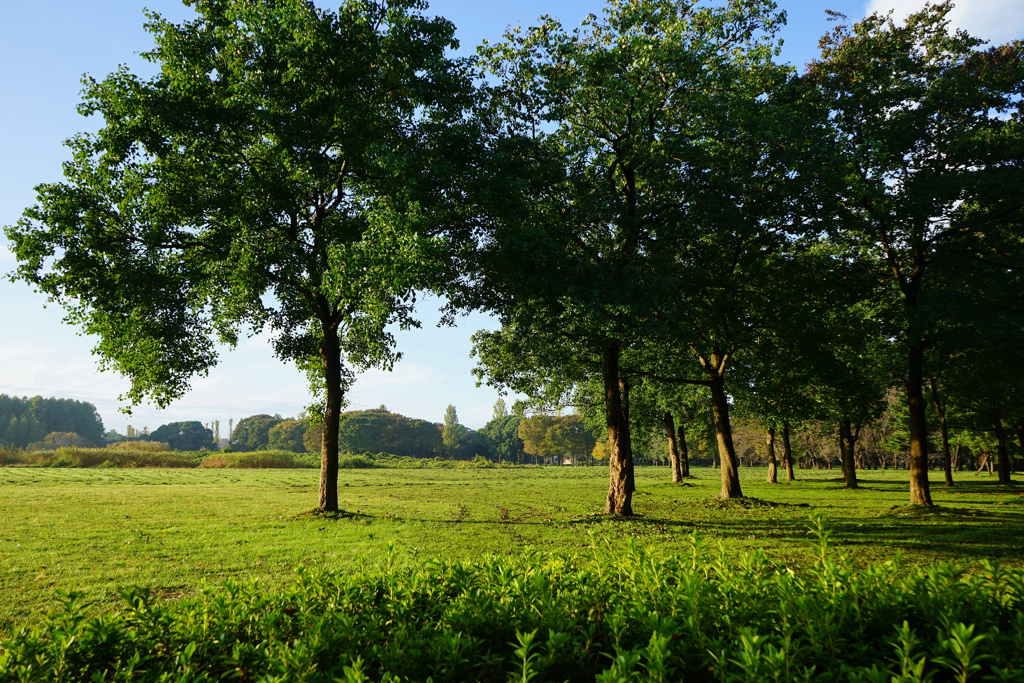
x=26, y=422
x=717, y=232
x=663, y=219
x=368, y=431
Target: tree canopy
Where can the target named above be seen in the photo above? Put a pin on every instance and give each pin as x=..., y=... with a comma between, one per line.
x=381, y=431
x=264, y=178
x=184, y=436
x=671, y=228
x=25, y=421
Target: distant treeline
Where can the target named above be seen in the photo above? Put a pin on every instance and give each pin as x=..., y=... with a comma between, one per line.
x=547, y=439
x=361, y=431
x=25, y=422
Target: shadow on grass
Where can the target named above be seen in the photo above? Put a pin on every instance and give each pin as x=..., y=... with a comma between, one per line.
x=953, y=529
x=323, y=515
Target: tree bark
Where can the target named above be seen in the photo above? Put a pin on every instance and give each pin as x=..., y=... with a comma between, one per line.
x=1002, y=453
x=673, y=448
x=330, y=355
x=773, y=470
x=1019, y=428
x=787, y=452
x=947, y=459
x=920, y=491
x=620, y=451
x=847, y=442
x=684, y=452
x=723, y=429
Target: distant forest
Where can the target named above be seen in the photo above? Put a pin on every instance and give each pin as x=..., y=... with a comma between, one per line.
x=27, y=421
x=375, y=431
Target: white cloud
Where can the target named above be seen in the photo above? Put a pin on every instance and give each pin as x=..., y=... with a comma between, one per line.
x=30, y=369
x=997, y=21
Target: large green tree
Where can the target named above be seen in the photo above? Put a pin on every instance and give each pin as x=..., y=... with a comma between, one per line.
x=288, y=436
x=382, y=431
x=928, y=123
x=453, y=434
x=503, y=431
x=610, y=121
x=184, y=436
x=261, y=180
x=253, y=433
x=45, y=415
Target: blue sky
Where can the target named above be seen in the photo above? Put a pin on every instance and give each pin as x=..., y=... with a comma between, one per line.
x=44, y=50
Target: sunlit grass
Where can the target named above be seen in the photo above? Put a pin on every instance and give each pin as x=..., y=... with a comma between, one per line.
x=99, y=530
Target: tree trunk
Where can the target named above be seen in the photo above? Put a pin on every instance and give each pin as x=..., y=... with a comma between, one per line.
x=1003, y=454
x=847, y=442
x=723, y=429
x=920, y=491
x=1019, y=428
x=773, y=471
x=620, y=451
x=684, y=452
x=673, y=449
x=330, y=355
x=947, y=459
x=787, y=452
x=947, y=456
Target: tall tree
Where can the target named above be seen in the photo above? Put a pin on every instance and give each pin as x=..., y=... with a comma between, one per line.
x=533, y=432
x=504, y=434
x=253, y=433
x=581, y=252
x=929, y=131
x=452, y=434
x=381, y=431
x=260, y=179
x=184, y=436
x=500, y=410
x=287, y=436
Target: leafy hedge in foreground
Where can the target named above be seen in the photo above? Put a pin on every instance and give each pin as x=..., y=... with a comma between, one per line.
x=550, y=617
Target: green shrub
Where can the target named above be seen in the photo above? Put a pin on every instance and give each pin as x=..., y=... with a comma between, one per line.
x=140, y=446
x=597, y=616
x=252, y=460
x=356, y=462
x=388, y=460
x=307, y=459
x=9, y=455
x=106, y=457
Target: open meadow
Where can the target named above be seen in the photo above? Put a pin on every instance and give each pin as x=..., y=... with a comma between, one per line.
x=98, y=531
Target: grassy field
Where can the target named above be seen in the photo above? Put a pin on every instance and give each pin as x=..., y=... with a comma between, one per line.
x=99, y=530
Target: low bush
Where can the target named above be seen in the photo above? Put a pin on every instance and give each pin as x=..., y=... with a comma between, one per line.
x=159, y=454
x=55, y=440
x=140, y=446
x=480, y=461
x=596, y=616
x=95, y=457
x=253, y=460
x=356, y=462
x=100, y=457
x=9, y=455
x=387, y=460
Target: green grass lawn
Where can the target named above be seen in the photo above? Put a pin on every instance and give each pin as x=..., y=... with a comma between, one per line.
x=98, y=530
